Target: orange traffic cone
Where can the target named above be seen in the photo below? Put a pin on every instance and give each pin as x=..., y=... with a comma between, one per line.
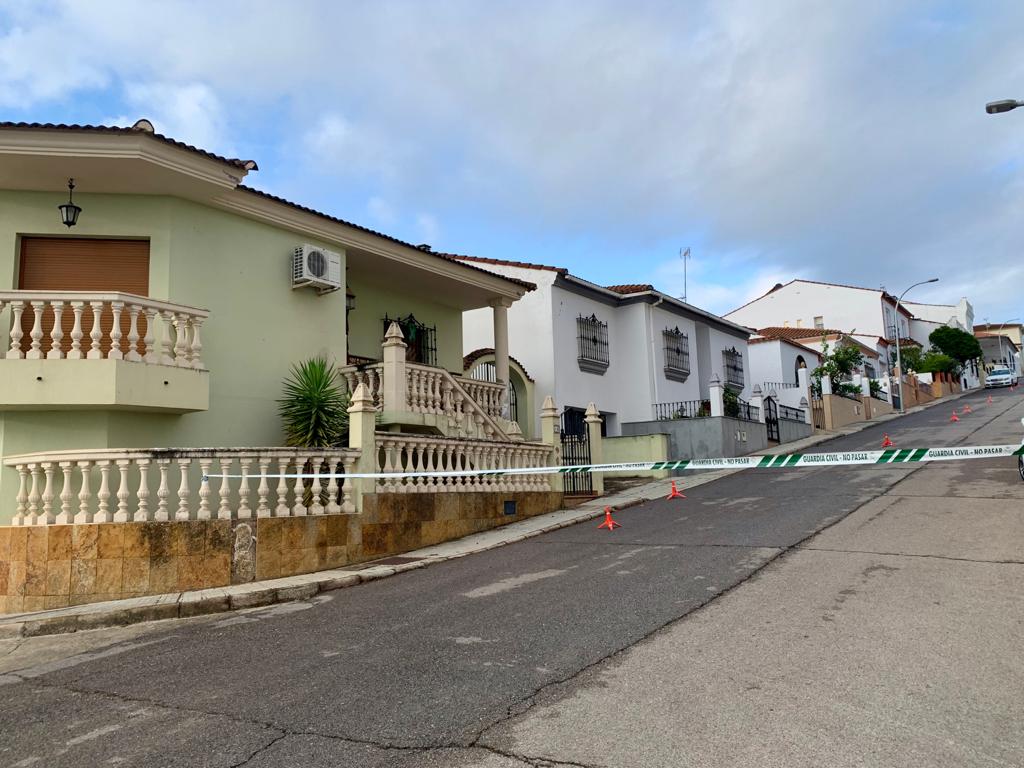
x=675, y=493
x=608, y=523
x=967, y=408
x=954, y=417
x=887, y=443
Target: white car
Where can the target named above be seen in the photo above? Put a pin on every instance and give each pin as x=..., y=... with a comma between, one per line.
x=1000, y=377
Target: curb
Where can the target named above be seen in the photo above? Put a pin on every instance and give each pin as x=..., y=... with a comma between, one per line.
x=263, y=593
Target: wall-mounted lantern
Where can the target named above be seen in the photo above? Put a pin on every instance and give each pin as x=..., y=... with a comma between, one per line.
x=69, y=211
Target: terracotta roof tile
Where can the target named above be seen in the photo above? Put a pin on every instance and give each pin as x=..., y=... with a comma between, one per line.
x=135, y=130
x=630, y=288
x=504, y=263
x=783, y=332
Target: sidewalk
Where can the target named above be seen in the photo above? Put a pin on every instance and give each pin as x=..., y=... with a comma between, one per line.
x=261, y=593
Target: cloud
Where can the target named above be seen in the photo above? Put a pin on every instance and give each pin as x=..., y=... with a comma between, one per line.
x=842, y=141
x=191, y=112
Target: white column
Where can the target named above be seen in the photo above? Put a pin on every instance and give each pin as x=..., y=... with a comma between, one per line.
x=716, y=392
x=499, y=310
x=551, y=435
x=394, y=385
x=362, y=427
x=757, y=401
x=593, y=420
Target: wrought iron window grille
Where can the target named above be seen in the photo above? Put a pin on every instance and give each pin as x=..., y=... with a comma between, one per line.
x=592, y=344
x=677, y=354
x=420, y=339
x=732, y=364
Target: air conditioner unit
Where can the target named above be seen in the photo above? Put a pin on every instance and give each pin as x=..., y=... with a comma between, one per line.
x=317, y=268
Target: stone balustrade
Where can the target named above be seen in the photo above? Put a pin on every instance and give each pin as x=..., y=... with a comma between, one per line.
x=415, y=453
x=85, y=325
x=489, y=395
x=470, y=407
x=369, y=375
x=173, y=484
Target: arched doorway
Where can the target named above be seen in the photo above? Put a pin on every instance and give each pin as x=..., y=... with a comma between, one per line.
x=800, y=363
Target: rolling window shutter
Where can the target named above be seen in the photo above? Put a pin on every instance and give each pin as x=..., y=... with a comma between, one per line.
x=82, y=264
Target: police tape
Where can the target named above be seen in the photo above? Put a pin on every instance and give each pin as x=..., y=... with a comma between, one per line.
x=770, y=461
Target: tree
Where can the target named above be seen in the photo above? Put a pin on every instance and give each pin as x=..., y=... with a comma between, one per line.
x=935, y=362
x=911, y=358
x=956, y=344
x=838, y=365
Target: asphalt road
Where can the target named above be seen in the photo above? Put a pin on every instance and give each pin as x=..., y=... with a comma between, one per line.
x=413, y=670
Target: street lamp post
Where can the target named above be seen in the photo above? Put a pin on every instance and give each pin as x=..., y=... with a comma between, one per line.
x=1003, y=105
x=1000, y=335
x=899, y=358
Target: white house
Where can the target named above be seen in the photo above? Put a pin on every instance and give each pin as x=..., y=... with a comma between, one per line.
x=811, y=304
x=775, y=363
x=627, y=348
x=928, y=317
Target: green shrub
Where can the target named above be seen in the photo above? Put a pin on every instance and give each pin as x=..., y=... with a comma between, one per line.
x=314, y=408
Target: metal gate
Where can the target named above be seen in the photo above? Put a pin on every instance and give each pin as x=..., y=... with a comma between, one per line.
x=575, y=452
x=771, y=418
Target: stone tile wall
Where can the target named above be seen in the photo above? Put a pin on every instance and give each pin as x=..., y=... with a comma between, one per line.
x=53, y=566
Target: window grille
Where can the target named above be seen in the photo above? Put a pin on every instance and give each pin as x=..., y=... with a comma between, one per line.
x=677, y=354
x=732, y=363
x=592, y=341
x=420, y=339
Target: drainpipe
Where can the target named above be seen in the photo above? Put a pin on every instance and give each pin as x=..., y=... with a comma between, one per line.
x=654, y=351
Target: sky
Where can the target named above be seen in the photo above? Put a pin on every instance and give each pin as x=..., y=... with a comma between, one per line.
x=837, y=141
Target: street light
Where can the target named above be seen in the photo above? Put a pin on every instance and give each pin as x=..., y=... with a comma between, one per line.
x=1000, y=335
x=1004, y=105
x=899, y=358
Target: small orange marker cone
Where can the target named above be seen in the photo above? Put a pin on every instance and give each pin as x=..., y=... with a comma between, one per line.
x=954, y=417
x=887, y=443
x=675, y=493
x=967, y=408
x=608, y=523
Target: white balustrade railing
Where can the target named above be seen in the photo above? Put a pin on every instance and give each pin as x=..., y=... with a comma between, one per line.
x=370, y=375
x=173, y=484
x=471, y=407
x=85, y=325
x=488, y=394
x=416, y=453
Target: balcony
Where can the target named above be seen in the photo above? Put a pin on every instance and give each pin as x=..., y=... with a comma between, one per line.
x=80, y=349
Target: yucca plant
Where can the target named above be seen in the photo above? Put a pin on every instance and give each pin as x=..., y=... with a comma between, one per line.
x=314, y=408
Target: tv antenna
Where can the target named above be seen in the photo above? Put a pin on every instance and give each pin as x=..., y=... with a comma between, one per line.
x=684, y=254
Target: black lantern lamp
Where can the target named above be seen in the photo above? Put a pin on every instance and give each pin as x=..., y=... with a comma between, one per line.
x=69, y=211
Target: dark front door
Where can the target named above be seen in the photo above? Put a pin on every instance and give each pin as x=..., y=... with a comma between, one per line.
x=576, y=452
x=771, y=418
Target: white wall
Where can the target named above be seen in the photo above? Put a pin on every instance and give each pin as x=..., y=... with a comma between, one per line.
x=765, y=361
x=717, y=342
x=775, y=361
x=798, y=303
x=622, y=392
x=529, y=331
x=959, y=315
x=665, y=390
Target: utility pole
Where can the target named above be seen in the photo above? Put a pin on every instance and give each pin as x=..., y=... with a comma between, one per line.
x=684, y=254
